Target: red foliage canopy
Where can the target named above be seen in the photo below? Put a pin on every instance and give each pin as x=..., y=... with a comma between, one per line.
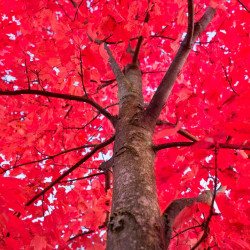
x=56, y=87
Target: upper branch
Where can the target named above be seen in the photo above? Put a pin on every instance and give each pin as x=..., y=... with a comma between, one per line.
x=61, y=96
x=122, y=82
x=79, y=163
x=162, y=93
x=190, y=29
x=137, y=50
x=139, y=43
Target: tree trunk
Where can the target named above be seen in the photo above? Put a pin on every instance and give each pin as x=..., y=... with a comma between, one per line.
x=135, y=221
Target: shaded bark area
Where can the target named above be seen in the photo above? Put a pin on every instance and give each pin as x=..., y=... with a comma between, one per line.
x=135, y=221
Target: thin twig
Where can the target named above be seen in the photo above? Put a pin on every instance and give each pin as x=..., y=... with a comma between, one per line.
x=105, y=83
x=111, y=105
x=165, y=37
x=81, y=74
x=26, y=72
x=183, y=231
x=211, y=213
x=77, y=10
x=39, y=82
x=67, y=15
x=228, y=80
x=83, y=178
x=85, y=233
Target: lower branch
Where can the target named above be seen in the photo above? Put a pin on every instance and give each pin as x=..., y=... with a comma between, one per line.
x=49, y=157
x=188, y=144
x=211, y=213
x=174, y=209
x=79, y=163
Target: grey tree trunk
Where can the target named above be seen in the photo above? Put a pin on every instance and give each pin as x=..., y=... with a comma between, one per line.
x=135, y=221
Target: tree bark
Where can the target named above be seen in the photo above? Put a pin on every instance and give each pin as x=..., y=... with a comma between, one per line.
x=135, y=221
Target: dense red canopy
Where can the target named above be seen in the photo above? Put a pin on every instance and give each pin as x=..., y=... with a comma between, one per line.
x=46, y=45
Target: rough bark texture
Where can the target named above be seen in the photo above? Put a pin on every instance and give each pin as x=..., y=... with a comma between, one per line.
x=135, y=221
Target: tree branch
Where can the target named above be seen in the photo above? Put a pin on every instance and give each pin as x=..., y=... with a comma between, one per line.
x=180, y=131
x=50, y=157
x=228, y=80
x=123, y=84
x=174, y=209
x=107, y=164
x=233, y=146
x=81, y=74
x=210, y=146
x=244, y=6
x=190, y=29
x=137, y=50
x=79, y=163
x=104, y=83
x=172, y=145
x=207, y=221
x=139, y=43
x=162, y=93
x=85, y=233
x=83, y=178
x=89, y=122
x=183, y=231
x=79, y=5
x=61, y=96
x=187, y=135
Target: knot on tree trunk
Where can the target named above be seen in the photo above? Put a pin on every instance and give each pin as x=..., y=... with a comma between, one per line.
x=121, y=220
